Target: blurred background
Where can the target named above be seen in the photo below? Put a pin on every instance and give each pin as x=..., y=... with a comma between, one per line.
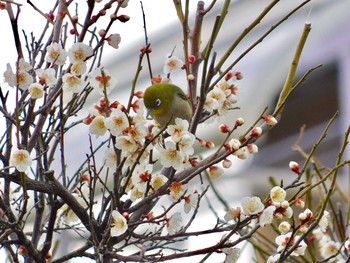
x=326, y=90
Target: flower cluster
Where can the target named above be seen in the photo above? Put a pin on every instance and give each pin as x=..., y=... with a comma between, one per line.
x=223, y=96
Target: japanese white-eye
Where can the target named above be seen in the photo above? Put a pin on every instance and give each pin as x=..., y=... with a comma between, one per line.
x=165, y=102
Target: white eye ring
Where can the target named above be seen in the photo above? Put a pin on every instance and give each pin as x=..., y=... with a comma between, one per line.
x=157, y=103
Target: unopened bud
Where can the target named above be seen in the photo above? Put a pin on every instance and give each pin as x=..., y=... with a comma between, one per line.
x=50, y=17
x=102, y=32
x=270, y=120
x=75, y=19
x=88, y=120
x=190, y=77
x=239, y=121
x=146, y=50
x=224, y=128
x=62, y=14
x=194, y=162
x=294, y=166
x=191, y=59
x=228, y=76
x=138, y=94
x=299, y=202
x=252, y=148
x=226, y=163
x=123, y=18
x=238, y=75
x=256, y=132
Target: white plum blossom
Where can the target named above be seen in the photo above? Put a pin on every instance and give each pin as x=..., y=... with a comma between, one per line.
x=267, y=216
x=110, y=158
x=79, y=52
x=138, y=132
x=215, y=171
x=176, y=191
x=186, y=143
x=100, y=79
x=9, y=76
x=56, y=54
x=22, y=79
x=232, y=213
x=117, y=122
x=324, y=221
x=252, y=205
x=330, y=248
x=118, y=225
x=178, y=129
x=72, y=83
x=127, y=144
x=141, y=178
x=36, y=90
x=158, y=180
x=174, y=223
x=136, y=194
x=114, y=40
x=284, y=227
x=21, y=160
x=232, y=254
x=170, y=156
x=98, y=126
x=274, y=258
x=172, y=64
x=46, y=76
x=214, y=100
x=23, y=65
x=67, y=213
x=283, y=240
x=191, y=201
x=278, y=194
x=78, y=68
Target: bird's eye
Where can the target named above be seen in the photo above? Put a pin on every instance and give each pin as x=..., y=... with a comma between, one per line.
x=157, y=103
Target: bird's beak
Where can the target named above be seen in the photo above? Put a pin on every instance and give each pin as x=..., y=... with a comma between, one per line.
x=148, y=113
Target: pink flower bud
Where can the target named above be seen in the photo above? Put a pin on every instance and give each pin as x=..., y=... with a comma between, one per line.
x=139, y=94
x=228, y=76
x=88, y=120
x=239, y=121
x=194, y=162
x=270, y=120
x=238, y=75
x=256, y=132
x=62, y=14
x=299, y=202
x=75, y=19
x=294, y=166
x=123, y=18
x=224, y=128
x=147, y=51
x=252, y=148
x=191, y=59
x=50, y=17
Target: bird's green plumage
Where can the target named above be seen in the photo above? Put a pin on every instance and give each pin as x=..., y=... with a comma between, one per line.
x=165, y=102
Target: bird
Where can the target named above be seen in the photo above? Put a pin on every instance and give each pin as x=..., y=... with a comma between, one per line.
x=165, y=102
